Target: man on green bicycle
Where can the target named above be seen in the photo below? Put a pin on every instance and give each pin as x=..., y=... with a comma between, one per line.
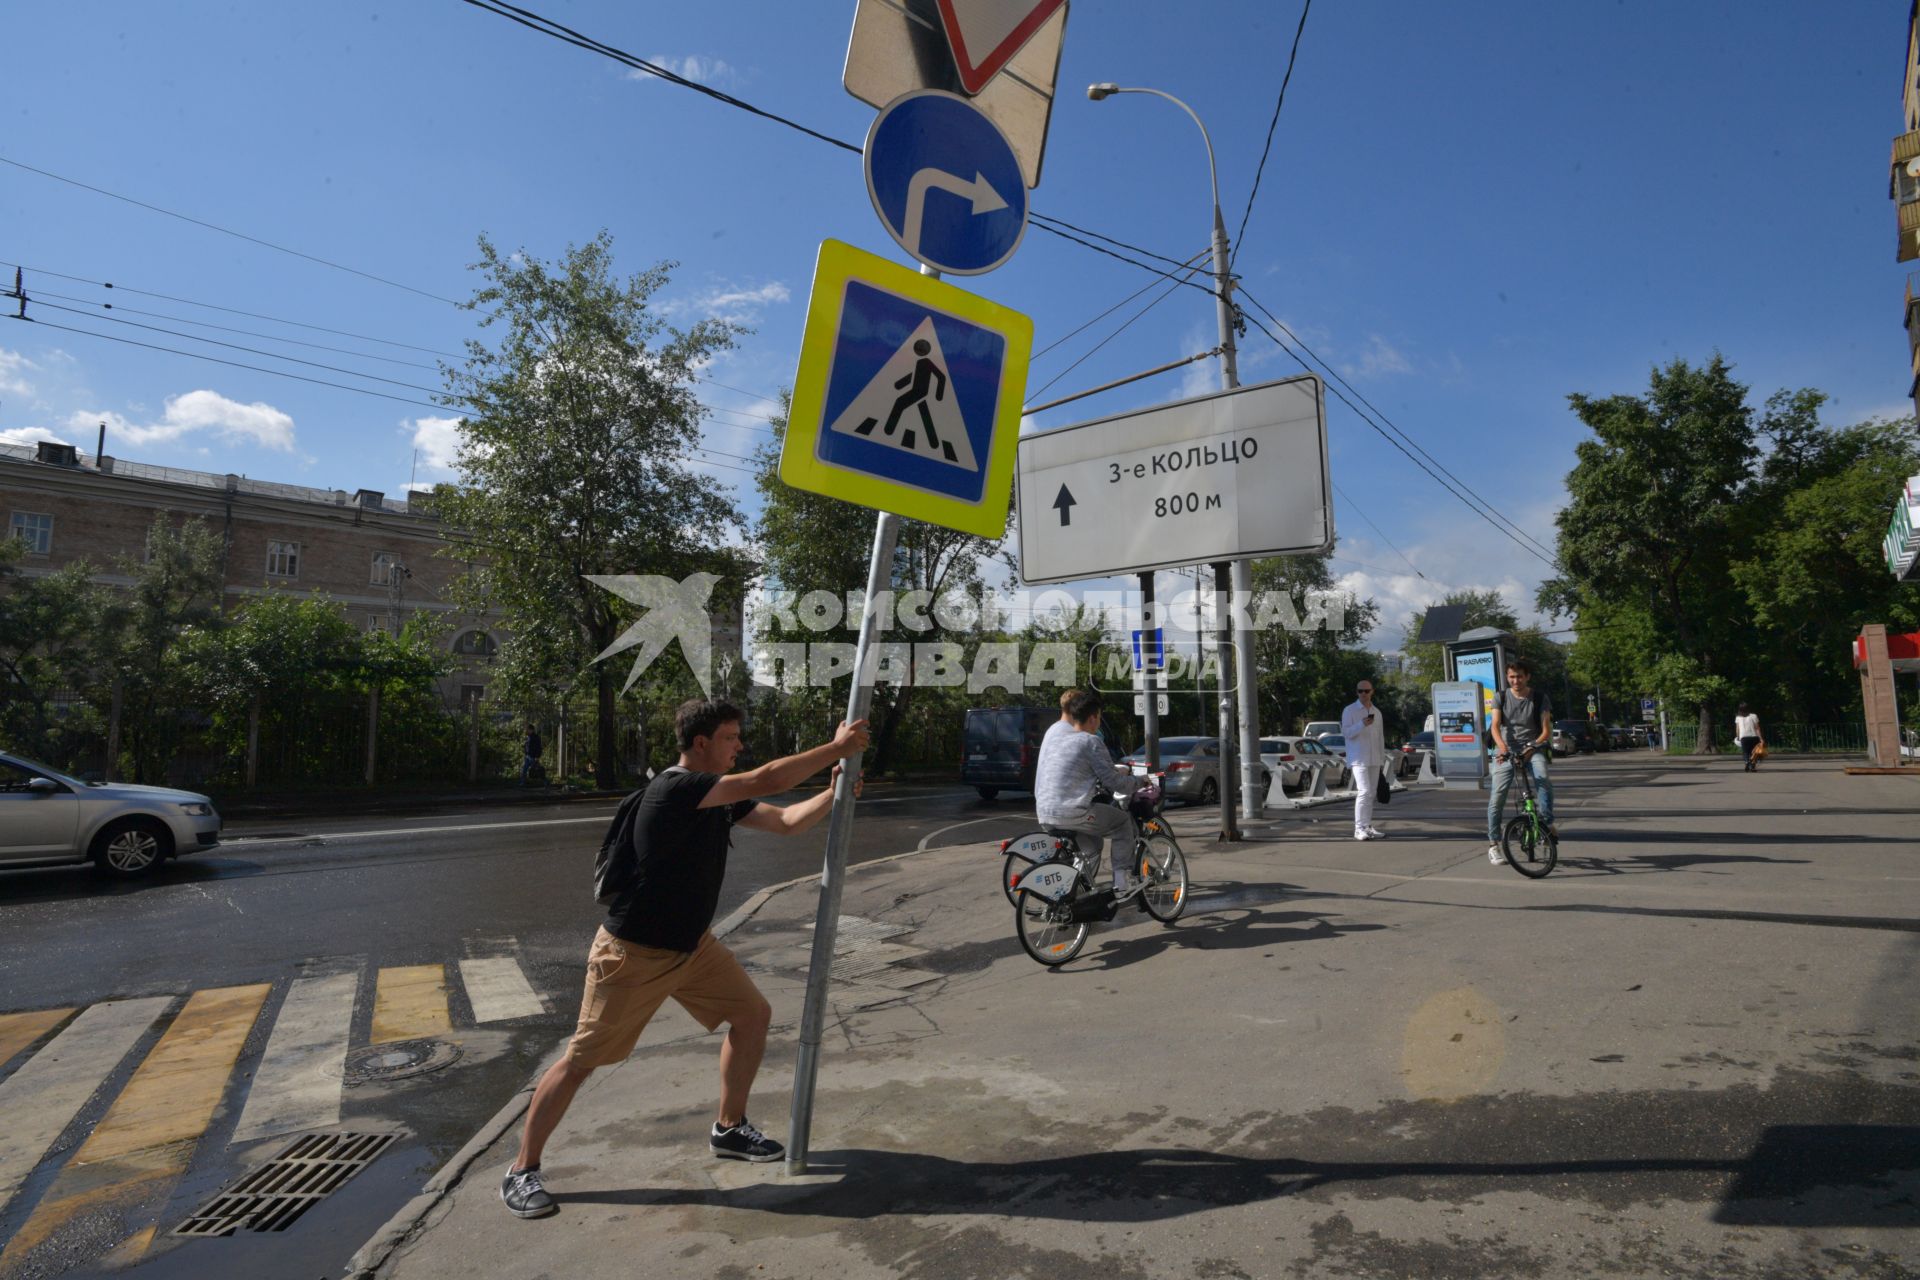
x=1076, y=781
x=1522, y=718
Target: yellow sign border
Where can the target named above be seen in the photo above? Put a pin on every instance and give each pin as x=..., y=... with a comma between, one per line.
x=800, y=462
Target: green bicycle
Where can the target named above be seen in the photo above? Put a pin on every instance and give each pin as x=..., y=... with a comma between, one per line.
x=1528, y=840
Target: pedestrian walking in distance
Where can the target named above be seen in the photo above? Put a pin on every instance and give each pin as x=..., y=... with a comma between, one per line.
x=665, y=859
x=1746, y=731
x=1366, y=733
x=530, y=749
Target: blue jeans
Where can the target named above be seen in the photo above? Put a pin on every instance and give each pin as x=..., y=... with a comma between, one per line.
x=1503, y=782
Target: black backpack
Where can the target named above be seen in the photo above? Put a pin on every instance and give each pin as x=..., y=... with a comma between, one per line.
x=615, y=866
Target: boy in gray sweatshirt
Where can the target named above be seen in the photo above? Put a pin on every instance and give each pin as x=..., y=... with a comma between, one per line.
x=1074, y=768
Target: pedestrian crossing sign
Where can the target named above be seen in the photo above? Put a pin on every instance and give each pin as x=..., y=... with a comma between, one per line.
x=908, y=394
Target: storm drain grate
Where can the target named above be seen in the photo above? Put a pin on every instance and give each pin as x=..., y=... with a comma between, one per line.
x=273, y=1197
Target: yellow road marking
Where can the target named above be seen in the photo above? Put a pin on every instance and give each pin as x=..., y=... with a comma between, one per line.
x=1455, y=1043
x=411, y=1003
x=147, y=1137
x=18, y=1030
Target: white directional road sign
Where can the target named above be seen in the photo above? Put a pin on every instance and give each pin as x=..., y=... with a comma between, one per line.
x=946, y=183
x=1229, y=476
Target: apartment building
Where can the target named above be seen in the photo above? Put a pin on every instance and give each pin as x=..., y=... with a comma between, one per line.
x=380, y=557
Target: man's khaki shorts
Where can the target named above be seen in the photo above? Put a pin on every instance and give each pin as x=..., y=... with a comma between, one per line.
x=626, y=984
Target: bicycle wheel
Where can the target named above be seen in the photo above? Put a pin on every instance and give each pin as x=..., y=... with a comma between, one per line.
x=1045, y=931
x=1530, y=846
x=1165, y=869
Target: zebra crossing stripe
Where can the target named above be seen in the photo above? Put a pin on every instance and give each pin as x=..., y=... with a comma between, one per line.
x=49, y=1089
x=18, y=1030
x=147, y=1137
x=498, y=990
x=298, y=1082
x=410, y=1003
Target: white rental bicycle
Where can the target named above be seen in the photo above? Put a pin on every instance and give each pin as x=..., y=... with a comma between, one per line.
x=1051, y=882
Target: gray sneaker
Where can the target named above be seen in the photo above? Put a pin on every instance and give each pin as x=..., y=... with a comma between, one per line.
x=524, y=1196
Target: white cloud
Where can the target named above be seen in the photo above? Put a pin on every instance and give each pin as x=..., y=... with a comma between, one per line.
x=729, y=301
x=438, y=440
x=31, y=435
x=1379, y=357
x=257, y=423
x=695, y=67
x=1454, y=555
x=12, y=365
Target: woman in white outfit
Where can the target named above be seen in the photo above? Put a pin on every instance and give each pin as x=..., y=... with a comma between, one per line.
x=1366, y=734
x=1746, y=732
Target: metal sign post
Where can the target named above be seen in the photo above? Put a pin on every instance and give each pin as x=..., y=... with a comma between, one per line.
x=1149, y=621
x=833, y=871
x=1223, y=591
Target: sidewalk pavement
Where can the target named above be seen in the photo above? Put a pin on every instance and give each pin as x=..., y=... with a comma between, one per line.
x=1689, y=1051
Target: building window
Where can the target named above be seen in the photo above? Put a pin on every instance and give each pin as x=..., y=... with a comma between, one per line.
x=475, y=644
x=283, y=559
x=35, y=530
x=378, y=622
x=383, y=565
x=470, y=696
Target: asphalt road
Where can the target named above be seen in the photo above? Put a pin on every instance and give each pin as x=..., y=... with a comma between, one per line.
x=376, y=897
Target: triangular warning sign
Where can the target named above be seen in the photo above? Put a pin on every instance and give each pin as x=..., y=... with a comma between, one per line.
x=910, y=405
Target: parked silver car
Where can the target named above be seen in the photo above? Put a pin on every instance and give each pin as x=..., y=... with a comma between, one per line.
x=1192, y=766
x=126, y=830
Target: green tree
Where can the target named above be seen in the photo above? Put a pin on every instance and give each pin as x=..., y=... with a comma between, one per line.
x=49, y=626
x=1426, y=663
x=1307, y=657
x=575, y=459
x=1655, y=523
x=174, y=590
x=1813, y=573
x=809, y=542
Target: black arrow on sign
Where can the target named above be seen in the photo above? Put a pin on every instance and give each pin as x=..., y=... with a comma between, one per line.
x=1064, y=504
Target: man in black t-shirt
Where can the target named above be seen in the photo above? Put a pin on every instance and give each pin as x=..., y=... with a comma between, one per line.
x=656, y=944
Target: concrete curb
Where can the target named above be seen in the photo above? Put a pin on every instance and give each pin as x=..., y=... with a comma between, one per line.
x=412, y=1216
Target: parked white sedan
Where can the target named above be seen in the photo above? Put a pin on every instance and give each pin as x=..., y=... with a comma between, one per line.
x=126, y=830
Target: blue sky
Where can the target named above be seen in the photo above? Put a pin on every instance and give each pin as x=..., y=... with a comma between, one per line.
x=1470, y=210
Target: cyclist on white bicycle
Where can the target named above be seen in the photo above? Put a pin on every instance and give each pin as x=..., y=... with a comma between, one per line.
x=1077, y=782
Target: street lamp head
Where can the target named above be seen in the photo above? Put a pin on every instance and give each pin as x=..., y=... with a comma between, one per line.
x=1099, y=91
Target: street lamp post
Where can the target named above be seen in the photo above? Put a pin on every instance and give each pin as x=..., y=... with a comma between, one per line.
x=1241, y=573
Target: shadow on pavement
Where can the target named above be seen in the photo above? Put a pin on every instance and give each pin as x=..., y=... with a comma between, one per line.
x=1794, y=1176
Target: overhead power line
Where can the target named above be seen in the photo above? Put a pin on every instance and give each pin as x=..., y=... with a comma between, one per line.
x=1395, y=436
x=227, y=231
x=1378, y=532
x=195, y=355
x=1278, y=102
x=255, y=351
x=250, y=333
x=1466, y=496
x=232, y=311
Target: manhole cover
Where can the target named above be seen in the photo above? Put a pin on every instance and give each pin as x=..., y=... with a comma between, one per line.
x=399, y=1059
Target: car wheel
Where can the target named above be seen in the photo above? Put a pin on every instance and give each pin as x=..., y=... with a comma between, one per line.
x=1209, y=792
x=132, y=847
x=987, y=793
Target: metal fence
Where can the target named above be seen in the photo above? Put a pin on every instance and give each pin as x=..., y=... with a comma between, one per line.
x=1847, y=737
